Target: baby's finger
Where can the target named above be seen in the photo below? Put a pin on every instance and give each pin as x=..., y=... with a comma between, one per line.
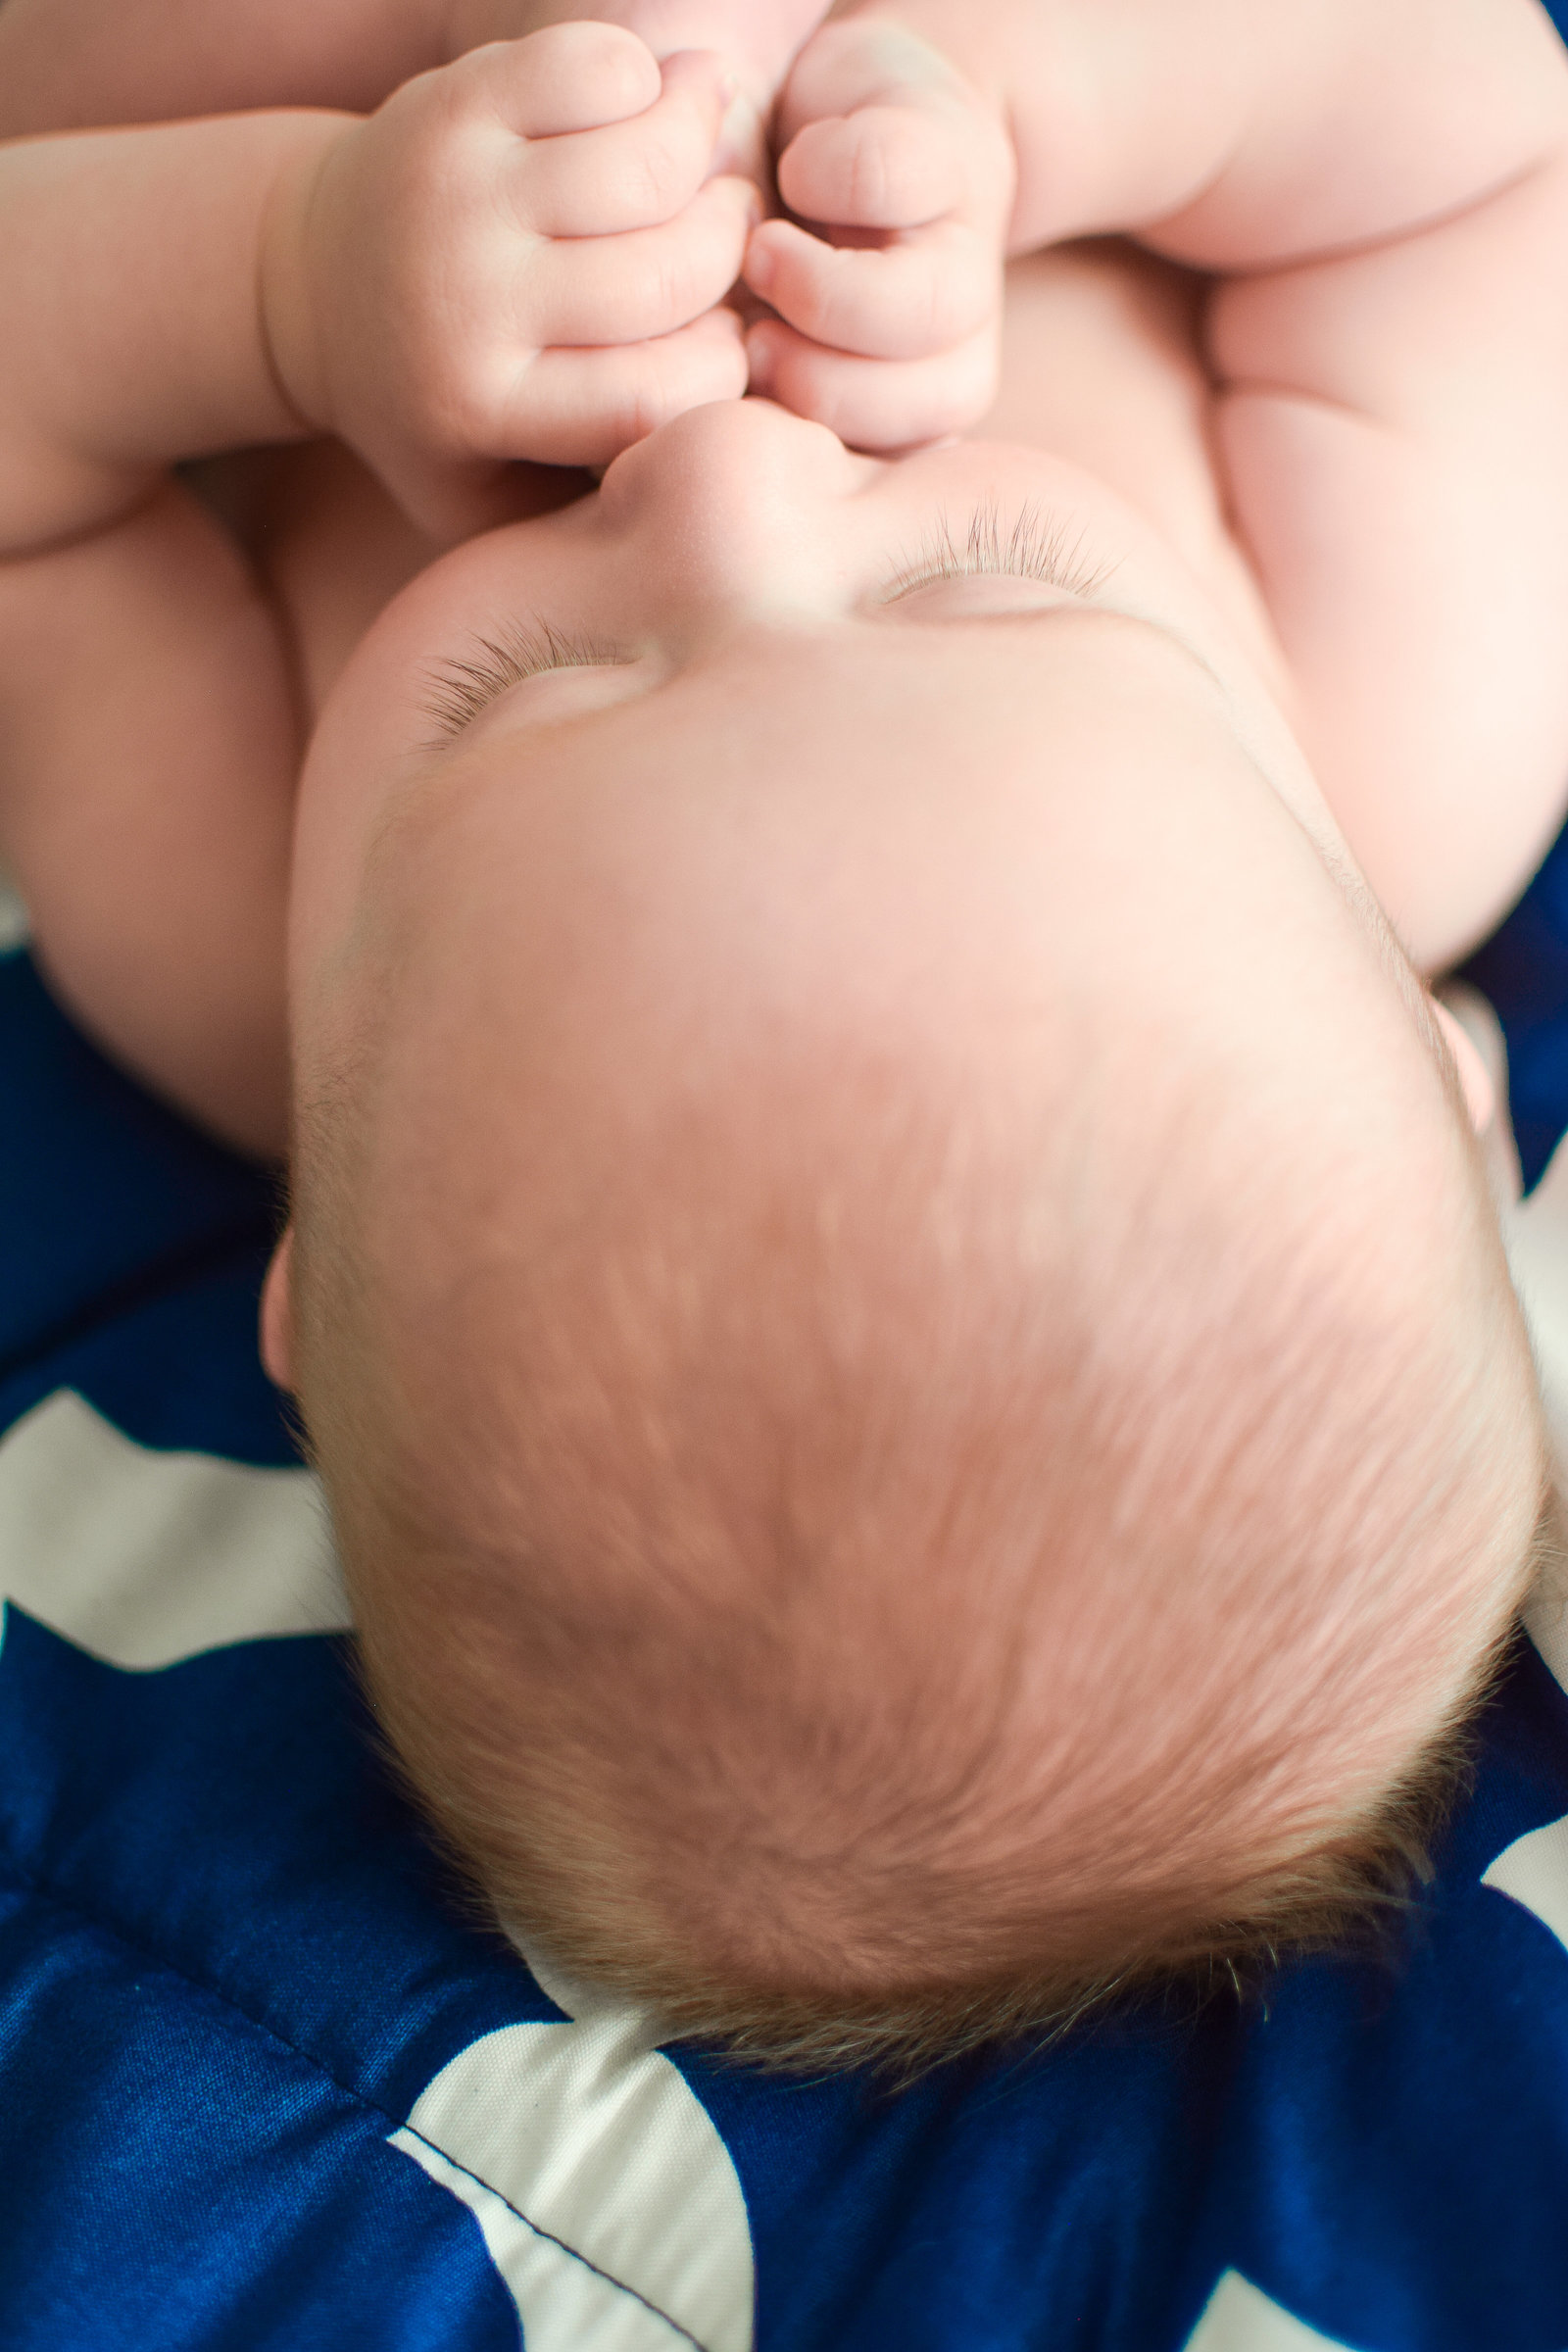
x=885, y=166
x=875, y=404
x=644, y=282
x=629, y=175
x=583, y=407
x=905, y=301
x=565, y=79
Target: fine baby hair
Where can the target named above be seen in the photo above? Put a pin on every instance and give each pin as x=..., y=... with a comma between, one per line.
x=898, y=1474
x=888, y=1275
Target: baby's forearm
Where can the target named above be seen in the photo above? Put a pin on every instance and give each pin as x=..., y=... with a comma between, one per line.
x=67, y=65
x=72, y=64
x=131, y=290
x=1232, y=135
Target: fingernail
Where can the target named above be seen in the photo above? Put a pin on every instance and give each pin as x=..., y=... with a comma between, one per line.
x=761, y=268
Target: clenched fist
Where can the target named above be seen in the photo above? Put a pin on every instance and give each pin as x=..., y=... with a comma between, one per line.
x=521, y=254
x=887, y=283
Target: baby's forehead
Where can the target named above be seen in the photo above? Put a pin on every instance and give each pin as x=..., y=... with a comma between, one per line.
x=564, y=995
x=928, y=843
x=990, y=801
x=1043, y=715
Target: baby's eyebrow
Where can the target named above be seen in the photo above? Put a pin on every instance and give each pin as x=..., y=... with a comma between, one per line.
x=1028, y=615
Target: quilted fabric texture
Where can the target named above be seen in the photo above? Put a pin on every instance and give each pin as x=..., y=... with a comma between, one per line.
x=265, y=2089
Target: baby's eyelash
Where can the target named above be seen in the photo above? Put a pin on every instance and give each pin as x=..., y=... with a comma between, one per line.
x=462, y=687
x=1037, y=547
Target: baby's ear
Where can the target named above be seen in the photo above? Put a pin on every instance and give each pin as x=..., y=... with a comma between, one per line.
x=1480, y=1094
x=277, y=1314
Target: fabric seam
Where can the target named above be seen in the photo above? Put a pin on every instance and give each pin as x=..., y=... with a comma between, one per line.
x=173, y=1270
x=31, y=1881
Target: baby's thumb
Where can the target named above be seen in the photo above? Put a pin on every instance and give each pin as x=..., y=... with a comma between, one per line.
x=876, y=131
x=862, y=62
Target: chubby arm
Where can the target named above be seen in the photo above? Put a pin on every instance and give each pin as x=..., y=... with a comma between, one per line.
x=1391, y=430
x=67, y=65
x=1378, y=190
x=182, y=289
x=1233, y=136
x=517, y=258
x=1383, y=191
x=130, y=269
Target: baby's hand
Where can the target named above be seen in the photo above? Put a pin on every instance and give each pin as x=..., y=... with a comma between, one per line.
x=890, y=306
x=518, y=257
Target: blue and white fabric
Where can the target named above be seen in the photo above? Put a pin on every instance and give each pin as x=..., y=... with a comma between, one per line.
x=266, y=2088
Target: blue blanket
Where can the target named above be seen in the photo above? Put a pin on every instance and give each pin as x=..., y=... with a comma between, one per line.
x=265, y=2090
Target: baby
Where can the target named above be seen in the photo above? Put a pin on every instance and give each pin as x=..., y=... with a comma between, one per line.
x=889, y=1275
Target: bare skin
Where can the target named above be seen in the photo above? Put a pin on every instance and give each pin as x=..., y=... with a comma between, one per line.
x=1289, y=395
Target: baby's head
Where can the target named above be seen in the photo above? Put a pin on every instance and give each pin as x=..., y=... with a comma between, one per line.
x=890, y=1285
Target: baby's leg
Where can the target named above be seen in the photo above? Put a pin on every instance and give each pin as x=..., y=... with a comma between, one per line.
x=146, y=800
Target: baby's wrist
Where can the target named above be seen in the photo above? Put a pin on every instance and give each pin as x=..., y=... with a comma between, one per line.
x=294, y=297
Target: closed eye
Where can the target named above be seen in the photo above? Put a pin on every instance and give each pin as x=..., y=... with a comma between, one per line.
x=1036, y=547
x=461, y=688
